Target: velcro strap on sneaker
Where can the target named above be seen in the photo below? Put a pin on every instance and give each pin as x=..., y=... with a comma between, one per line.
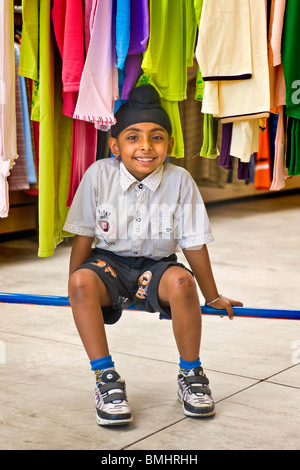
x=103, y=388
x=114, y=396
x=199, y=379
x=202, y=389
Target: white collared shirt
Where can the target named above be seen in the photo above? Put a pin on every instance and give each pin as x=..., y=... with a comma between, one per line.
x=154, y=217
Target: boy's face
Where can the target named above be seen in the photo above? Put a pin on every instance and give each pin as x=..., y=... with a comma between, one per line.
x=143, y=147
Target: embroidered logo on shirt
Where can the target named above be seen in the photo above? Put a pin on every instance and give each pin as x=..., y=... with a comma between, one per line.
x=106, y=223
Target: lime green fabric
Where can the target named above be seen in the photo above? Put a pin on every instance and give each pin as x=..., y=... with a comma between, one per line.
x=210, y=137
x=29, y=52
x=169, y=52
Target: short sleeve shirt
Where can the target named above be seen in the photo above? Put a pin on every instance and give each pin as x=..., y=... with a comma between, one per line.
x=153, y=218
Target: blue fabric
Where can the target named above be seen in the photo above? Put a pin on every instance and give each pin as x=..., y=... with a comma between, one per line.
x=122, y=31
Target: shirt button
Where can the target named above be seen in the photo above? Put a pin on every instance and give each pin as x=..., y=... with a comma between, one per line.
x=141, y=186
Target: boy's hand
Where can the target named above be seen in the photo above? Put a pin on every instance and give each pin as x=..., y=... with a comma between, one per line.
x=225, y=303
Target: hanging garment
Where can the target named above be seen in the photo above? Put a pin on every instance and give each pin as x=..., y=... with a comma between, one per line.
x=290, y=57
x=99, y=82
x=293, y=147
x=278, y=7
x=84, y=138
x=8, y=139
x=235, y=99
x=31, y=172
x=227, y=160
x=227, y=53
x=291, y=67
x=277, y=82
x=262, y=174
x=122, y=31
x=55, y=139
x=139, y=26
x=245, y=139
x=280, y=171
x=165, y=61
x=139, y=35
x=18, y=178
x=209, y=147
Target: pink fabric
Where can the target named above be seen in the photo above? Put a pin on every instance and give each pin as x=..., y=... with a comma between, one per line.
x=61, y=18
x=84, y=146
x=280, y=171
x=67, y=16
x=99, y=82
x=89, y=16
x=278, y=7
x=84, y=153
x=276, y=74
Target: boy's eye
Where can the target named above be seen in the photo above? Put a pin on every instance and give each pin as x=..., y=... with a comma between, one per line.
x=132, y=137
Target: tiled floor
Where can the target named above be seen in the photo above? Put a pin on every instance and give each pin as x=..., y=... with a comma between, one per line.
x=253, y=364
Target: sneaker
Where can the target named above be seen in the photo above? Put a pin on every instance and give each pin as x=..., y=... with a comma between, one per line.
x=194, y=394
x=111, y=401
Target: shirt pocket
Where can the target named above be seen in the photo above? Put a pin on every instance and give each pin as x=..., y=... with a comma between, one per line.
x=162, y=227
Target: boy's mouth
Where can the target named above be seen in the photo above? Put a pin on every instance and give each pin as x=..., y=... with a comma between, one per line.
x=145, y=159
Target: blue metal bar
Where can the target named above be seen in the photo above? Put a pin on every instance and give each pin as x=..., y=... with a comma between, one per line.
x=59, y=301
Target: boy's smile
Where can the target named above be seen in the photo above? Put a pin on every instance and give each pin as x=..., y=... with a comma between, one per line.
x=143, y=147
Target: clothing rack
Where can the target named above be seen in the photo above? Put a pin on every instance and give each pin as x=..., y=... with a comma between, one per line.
x=61, y=301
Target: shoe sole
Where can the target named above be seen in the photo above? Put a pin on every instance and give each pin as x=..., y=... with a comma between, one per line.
x=112, y=422
x=195, y=415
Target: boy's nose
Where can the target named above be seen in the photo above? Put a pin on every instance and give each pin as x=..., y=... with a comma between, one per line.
x=146, y=143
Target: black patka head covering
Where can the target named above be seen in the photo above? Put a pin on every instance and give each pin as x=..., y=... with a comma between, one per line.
x=143, y=106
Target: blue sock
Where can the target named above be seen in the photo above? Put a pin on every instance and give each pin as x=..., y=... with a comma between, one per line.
x=188, y=365
x=102, y=363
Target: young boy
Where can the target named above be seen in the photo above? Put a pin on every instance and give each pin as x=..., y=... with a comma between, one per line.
x=140, y=209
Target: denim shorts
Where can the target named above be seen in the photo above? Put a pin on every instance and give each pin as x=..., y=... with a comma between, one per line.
x=130, y=281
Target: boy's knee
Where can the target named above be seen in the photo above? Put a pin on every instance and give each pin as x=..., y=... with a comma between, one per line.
x=182, y=282
x=79, y=282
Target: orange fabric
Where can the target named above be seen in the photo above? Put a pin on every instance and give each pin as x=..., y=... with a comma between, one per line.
x=262, y=174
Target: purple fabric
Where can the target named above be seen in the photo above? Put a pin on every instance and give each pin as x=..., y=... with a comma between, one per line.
x=226, y=160
x=139, y=35
x=133, y=71
x=139, y=26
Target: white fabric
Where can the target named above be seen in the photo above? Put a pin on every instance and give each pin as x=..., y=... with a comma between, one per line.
x=227, y=53
x=232, y=100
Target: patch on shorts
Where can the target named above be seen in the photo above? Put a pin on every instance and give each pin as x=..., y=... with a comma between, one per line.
x=143, y=284
x=107, y=268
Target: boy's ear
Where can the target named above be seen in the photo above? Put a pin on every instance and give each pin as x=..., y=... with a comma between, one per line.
x=114, y=147
x=170, y=146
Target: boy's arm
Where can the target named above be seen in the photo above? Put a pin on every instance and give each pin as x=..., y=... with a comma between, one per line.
x=81, y=249
x=199, y=262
